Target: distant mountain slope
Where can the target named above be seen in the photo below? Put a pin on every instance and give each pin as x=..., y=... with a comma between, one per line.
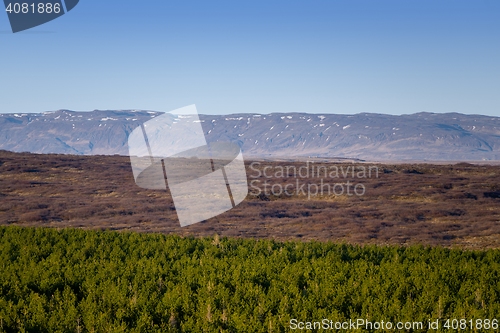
x=421, y=136
x=68, y=132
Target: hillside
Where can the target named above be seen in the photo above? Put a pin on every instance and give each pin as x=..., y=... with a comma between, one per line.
x=374, y=137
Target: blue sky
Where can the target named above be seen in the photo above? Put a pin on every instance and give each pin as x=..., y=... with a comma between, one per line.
x=256, y=56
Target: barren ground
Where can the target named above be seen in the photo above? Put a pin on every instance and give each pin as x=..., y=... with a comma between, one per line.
x=450, y=205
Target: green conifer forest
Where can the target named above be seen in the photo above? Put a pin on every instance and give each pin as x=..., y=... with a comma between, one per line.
x=73, y=280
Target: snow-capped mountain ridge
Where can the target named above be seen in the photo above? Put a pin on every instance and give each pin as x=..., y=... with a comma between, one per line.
x=421, y=136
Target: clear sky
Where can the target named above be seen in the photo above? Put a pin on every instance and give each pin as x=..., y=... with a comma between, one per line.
x=261, y=56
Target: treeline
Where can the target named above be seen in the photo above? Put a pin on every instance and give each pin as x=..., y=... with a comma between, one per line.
x=92, y=281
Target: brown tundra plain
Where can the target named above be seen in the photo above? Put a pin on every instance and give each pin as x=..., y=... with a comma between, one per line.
x=455, y=205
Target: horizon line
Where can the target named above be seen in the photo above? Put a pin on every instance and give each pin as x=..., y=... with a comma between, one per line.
x=252, y=113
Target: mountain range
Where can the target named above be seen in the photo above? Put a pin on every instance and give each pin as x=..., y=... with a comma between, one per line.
x=366, y=136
